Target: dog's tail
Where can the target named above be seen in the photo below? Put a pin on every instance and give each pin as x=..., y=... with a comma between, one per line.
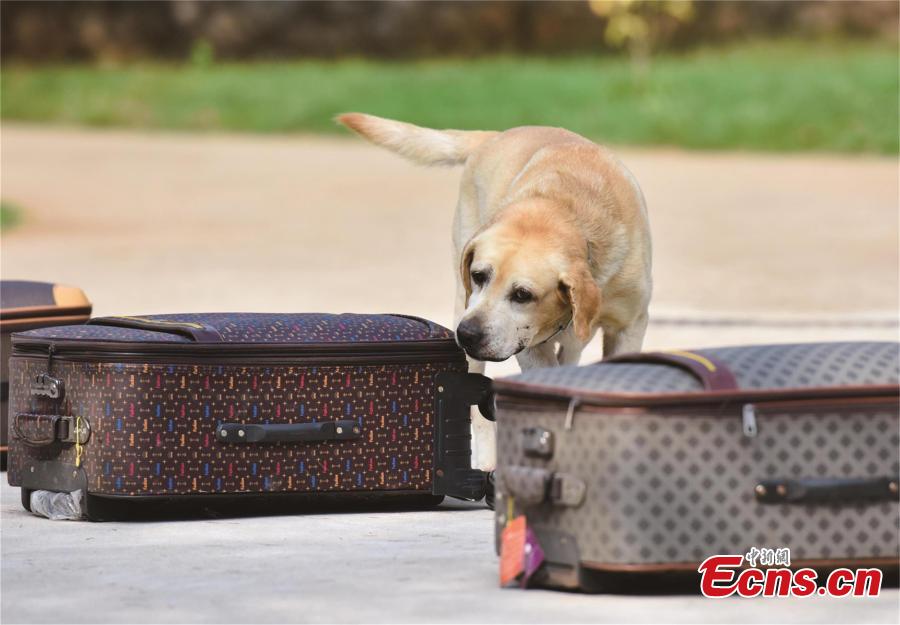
x=425, y=146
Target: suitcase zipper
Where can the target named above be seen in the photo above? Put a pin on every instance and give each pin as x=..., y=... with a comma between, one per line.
x=749, y=411
x=436, y=351
x=748, y=419
x=692, y=403
x=51, y=349
x=570, y=412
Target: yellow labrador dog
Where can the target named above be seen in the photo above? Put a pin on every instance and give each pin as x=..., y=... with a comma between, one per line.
x=552, y=238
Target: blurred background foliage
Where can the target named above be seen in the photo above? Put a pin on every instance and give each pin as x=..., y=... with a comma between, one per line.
x=10, y=215
x=116, y=31
x=762, y=75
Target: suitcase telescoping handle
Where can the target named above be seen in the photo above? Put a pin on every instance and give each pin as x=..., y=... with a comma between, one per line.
x=828, y=490
x=455, y=394
x=342, y=430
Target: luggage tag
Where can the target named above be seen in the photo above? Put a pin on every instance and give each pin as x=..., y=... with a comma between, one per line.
x=512, y=550
x=521, y=554
x=534, y=556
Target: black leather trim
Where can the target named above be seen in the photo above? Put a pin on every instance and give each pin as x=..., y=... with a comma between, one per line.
x=833, y=491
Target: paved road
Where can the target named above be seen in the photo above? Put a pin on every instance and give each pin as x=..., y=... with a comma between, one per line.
x=162, y=223
x=389, y=567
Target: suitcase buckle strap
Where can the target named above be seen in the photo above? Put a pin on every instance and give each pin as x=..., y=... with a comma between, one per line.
x=532, y=486
x=37, y=430
x=566, y=490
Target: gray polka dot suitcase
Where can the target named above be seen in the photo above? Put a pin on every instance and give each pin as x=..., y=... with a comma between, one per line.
x=647, y=464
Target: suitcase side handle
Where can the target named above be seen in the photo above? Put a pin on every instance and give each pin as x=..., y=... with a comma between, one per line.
x=829, y=490
x=712, y=373
x=197, y=332
x=342, y=430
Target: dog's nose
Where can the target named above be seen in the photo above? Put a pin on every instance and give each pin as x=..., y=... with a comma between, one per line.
x=469, y=334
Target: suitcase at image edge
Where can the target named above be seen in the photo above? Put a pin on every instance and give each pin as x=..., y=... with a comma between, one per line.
x=24, y=306
x=648, y=464
x=207, y=407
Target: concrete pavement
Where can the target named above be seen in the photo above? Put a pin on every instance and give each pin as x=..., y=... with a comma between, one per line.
x=387, y=567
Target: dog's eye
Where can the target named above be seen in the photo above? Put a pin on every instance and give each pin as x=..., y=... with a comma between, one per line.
x=521, y=296
x=479, y=277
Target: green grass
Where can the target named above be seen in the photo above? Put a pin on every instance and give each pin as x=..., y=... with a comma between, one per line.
x=775, y=96
x=10, y=215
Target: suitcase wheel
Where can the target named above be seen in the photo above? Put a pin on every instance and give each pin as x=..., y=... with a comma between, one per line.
x=26, y=498
x=489, y=491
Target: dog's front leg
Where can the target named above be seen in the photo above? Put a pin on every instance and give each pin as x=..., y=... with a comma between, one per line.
x=625, y=340
x=570, y=348
x=484, y=432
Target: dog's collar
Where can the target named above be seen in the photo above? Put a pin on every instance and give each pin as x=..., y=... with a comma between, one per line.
x=561, y=328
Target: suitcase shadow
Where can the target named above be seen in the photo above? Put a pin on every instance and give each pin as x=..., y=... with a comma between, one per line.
x=676, y=583
x=187, y=508
x=641, y=584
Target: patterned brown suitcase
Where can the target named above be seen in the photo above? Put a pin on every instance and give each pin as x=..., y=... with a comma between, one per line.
x=209, y=408
x=26, y=305
x=650, y=463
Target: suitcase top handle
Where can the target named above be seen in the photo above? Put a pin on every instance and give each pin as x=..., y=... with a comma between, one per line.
x=197, y=332
x=714, y=375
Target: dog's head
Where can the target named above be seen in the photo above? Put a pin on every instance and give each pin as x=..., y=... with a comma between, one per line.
x=524, y=281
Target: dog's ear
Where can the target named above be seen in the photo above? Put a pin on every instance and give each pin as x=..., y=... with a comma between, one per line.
x=465, y=268
x=579, y=289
